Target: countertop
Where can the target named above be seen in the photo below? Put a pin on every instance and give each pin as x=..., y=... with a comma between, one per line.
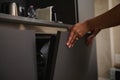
x=32, y=21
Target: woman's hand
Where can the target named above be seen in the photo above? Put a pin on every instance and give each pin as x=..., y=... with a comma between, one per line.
x=91, y=36
x=76, y=32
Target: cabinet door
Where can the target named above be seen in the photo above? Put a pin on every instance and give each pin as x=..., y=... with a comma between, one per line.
x=74, y=63
x=17, y=55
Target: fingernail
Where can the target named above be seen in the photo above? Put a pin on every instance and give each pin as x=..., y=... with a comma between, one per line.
x=67, y=44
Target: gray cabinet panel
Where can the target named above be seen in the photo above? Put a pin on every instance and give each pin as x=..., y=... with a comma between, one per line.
x=18, y=61
x=17, y=58
x=75, y=63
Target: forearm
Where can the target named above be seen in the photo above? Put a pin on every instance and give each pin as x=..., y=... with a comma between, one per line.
x=106, y=20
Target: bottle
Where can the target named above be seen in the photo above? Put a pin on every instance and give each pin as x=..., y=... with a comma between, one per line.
x=21, y=11
x=31, y=12
x=13, y=9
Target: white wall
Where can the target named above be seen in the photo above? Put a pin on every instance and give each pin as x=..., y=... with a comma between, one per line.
x=103, y=42
x=115, y=38
x=108, y=40
x=86, y=9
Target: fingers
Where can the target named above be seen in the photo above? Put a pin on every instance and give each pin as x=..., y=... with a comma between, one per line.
x=91, y=37
x=73, y=37
x=77, y=31
x=90, y=40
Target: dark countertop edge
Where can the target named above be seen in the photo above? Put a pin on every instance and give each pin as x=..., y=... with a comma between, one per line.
x=30, y=21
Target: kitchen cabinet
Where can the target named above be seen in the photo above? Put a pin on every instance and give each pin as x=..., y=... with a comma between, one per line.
x=19, y=59
x=17, y=55
x=31, y=53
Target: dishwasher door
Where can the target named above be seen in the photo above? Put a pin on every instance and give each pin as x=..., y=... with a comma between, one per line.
x=76, y=63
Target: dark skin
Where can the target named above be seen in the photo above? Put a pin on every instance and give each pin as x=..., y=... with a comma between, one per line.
x=108, y=19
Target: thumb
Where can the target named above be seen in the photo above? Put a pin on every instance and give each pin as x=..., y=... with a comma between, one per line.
x=90, y=38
